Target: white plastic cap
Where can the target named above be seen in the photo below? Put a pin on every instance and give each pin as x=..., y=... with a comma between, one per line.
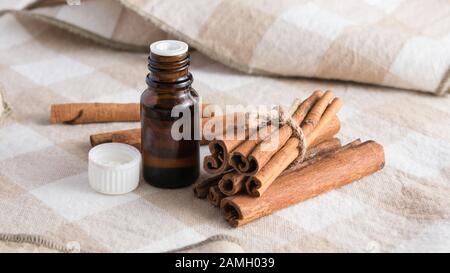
x=169, y=48
x=114, y=168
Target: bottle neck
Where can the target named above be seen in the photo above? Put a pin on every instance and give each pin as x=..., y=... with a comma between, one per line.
x=169, y=72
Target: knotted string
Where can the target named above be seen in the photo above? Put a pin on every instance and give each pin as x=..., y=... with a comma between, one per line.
x=283, y=116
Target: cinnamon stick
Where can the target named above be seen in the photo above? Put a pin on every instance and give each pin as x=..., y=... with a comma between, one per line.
x=201, y=188
x=239, y=157
x=215, y=196
x=234, y=182
x=331, y=148
x=80, y=113
x=260, y=156
x=257, y=184
x=220, y=150
x=329, y=114
x=331, y=172
x=131, y=137
x=106, y=137
x=324, y=147
x=312, y=118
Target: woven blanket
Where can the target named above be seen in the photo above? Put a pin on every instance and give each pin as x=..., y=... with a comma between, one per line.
x=43, y=168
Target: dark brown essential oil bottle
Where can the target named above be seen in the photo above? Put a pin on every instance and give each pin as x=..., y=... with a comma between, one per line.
x=167, y=161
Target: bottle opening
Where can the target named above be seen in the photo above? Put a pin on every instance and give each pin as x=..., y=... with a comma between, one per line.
x=169, y=48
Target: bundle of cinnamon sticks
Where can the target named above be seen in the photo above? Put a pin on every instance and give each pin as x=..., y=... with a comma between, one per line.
x=250, y=181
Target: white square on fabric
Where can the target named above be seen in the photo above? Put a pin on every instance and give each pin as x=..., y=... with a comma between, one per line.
x=386, y=6
x=73, y=198
x=180, y=239
x=52, y=70
x=90, y=87
x=136, y=225
x=13, y=33
x=347, y=113
x=127, y=96
x=312, y=18
x=162, y=9
x=219, y=77
x=419, y=155
x=434, y=238
x=98, y=17
x=14, y=4
x=428, y=55
x=16, y=139
x=319, y=212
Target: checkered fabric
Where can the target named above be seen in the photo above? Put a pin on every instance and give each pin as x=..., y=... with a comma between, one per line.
x=43, y=168
x=398, y=43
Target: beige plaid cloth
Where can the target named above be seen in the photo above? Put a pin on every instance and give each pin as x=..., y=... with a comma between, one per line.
x=43, y=168
x=398, y=43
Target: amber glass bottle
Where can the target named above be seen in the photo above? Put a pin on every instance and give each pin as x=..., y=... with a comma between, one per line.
x=168, y=161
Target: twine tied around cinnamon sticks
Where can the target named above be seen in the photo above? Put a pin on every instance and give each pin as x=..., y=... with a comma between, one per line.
x=283, y=116
x=286, y=118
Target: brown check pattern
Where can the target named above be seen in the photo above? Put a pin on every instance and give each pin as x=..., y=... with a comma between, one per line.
x=43, y=167
x=399, y=43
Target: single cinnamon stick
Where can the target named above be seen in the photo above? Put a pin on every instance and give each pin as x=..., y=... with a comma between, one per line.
x=331, y=172
x=326, y=146
x=329, y=114
x=261, y=155
x=80, y=113
x=329, y=147
x=220, y=150
x=234, y=182
x=313, y=117
x=131, y=137
x=201, y=188
x=106, y=137
x=217, y=162
x=257, y=184
x=239, y=157
x=215, y=196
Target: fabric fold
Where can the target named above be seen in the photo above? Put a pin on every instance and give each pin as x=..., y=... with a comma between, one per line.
x=4, y=108
x=403, y=44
